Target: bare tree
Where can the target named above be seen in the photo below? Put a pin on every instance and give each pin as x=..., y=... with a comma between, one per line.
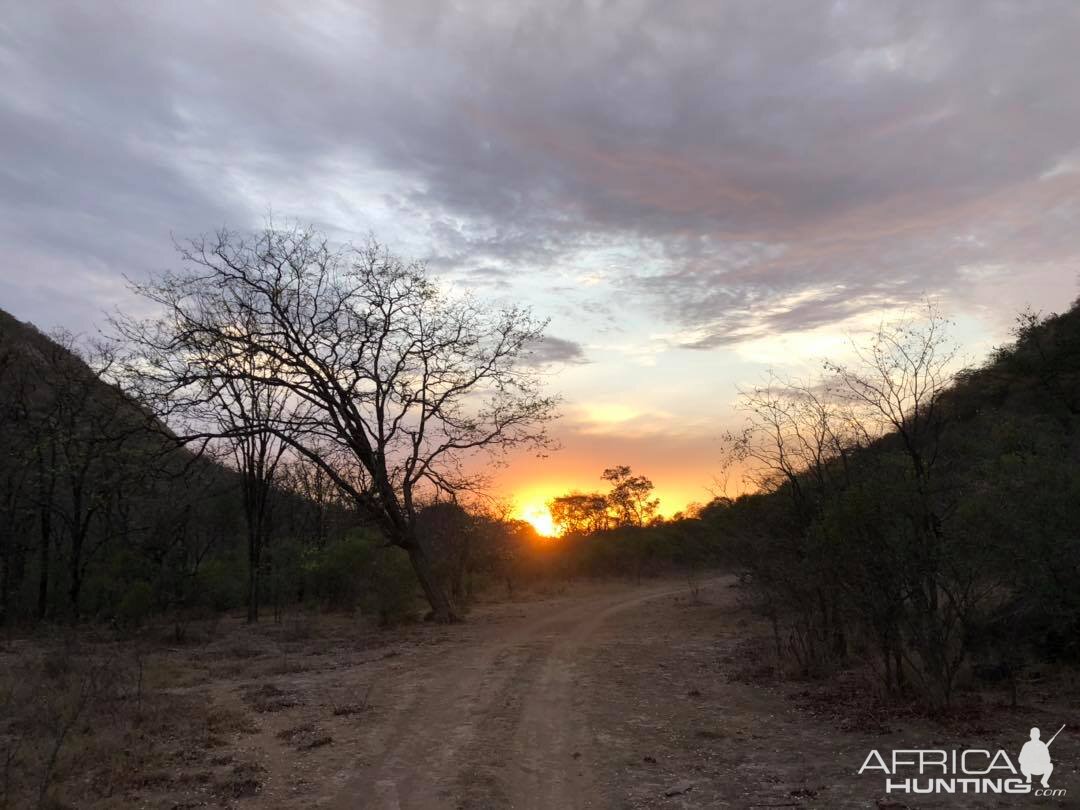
x=247, y=409
x=84, y=453
x=311, y=483
x=867, y=541
x=18, y=437
x=898, y=383
x=247, y=415
x=898, y=386
x=369, y=355
x=797, y=441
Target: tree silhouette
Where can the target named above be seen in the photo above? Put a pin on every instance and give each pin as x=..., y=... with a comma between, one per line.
x=370, y=357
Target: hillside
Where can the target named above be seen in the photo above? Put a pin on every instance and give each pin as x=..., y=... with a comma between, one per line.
x=947, y=545
x=94, y=494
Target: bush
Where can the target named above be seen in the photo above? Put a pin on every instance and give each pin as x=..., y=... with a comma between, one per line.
x=136, y=605
x=220, y=584
x=391, y=591
x=361, y=571
x=335, y=574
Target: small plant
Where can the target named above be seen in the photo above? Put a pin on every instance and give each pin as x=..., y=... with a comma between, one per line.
x=347, y=709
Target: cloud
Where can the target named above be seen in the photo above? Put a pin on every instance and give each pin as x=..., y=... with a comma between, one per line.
x=549, y=350
x=732, y=169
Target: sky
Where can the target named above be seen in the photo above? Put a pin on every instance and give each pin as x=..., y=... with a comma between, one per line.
x=695, y=194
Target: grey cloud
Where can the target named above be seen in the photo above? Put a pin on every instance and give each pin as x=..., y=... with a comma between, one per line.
x=555, y=350
x=773, y=169
x=490, y=272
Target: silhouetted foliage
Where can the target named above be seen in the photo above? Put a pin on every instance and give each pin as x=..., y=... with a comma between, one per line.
x=629, y=502
x=105, y=517
x=620, y=533
x=363, y=366
x=916, y=516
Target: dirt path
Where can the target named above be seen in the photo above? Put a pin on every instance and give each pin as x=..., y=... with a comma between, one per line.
x=598, y=696
x=500, y=721
x=607, y=696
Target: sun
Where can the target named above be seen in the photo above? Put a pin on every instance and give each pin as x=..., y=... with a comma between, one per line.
x=538, y=515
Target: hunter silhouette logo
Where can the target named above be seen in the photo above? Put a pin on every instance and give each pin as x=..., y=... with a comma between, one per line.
x=969, y=770
x=1035, y=757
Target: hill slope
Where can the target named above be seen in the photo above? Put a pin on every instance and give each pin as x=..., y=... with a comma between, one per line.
x=951, y=539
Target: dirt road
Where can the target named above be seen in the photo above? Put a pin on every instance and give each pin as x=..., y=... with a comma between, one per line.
x=589, y=696
x=603, y=696
x=499, y=722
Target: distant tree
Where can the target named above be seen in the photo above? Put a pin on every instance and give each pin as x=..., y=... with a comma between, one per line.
x=629, y=499
x=628, y=503
x=236, y=408
x=370, y=356
x=18, y=437
x=247, y=410
x=503, y=547
x=319, y=493
x=580, y=513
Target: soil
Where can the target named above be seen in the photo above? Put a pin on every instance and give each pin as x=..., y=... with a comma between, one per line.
x=611, y=695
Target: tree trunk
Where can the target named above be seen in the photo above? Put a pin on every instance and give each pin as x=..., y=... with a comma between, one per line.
x=461, y=564
x=75, y=574
x=43, y=570
x=74, y=590
x=253, y=579
x=443, y=609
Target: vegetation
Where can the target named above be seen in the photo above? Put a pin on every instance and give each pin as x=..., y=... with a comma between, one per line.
x=294, y=419
x=620, y=532
x=916, y=516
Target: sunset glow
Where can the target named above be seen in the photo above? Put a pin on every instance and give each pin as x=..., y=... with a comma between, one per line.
x=538, y=515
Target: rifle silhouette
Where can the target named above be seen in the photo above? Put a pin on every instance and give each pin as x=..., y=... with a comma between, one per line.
x=1055, y=734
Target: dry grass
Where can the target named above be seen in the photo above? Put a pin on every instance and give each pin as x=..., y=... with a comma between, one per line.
x=97, y=722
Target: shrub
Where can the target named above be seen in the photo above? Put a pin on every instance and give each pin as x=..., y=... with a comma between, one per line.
x=220, y=584
x=137, y=604
x=335, y=574
x=391, y=589
x=360, y=570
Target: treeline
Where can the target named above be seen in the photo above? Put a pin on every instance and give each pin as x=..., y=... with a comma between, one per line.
x=921, y=518
x=109, y=516
x=619, y=532
x=291, y=424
